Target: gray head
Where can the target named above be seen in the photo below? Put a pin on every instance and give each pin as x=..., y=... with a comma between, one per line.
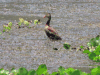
x=48, y=15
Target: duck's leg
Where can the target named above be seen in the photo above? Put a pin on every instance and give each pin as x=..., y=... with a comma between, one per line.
x=47, y=42
x=53, y=44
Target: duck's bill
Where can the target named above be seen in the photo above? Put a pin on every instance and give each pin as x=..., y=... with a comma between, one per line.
x=44, y=16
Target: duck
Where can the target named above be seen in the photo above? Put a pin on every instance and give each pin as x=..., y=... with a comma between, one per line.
x=50, y=31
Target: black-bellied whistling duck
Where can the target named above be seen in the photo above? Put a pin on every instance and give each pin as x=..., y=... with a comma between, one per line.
x=51, y=32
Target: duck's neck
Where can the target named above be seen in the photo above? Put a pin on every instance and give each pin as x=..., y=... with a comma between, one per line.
x=48, y=22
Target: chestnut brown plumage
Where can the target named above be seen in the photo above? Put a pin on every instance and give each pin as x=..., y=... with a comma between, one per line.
x=51, y=32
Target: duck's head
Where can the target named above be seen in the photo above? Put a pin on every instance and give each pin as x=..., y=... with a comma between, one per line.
x=48, y=15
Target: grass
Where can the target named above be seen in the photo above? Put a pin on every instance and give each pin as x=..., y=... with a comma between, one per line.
x=42, y=70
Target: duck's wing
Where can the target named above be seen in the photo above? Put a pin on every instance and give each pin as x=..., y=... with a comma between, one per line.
x=51, y=30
